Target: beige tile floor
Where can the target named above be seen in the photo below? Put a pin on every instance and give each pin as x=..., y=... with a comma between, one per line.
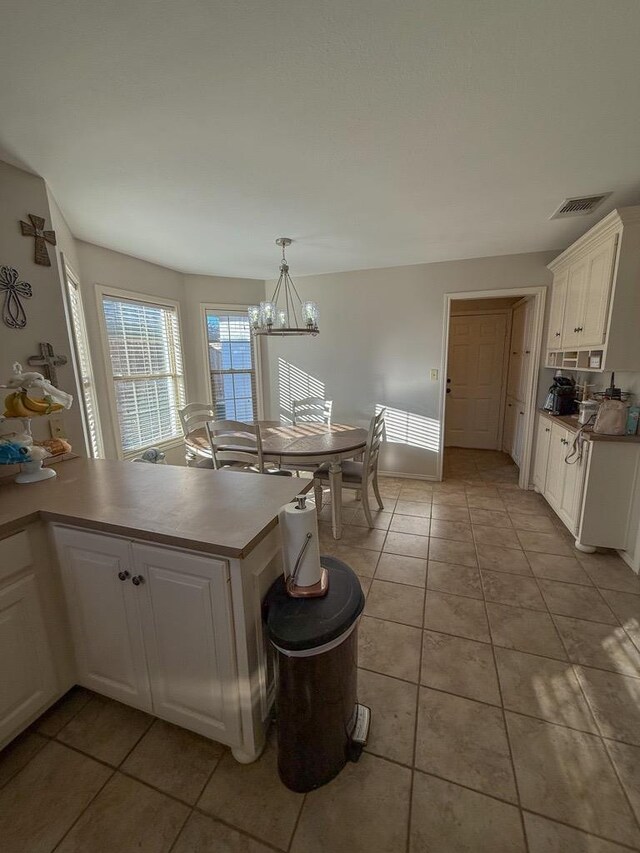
x=503, y=671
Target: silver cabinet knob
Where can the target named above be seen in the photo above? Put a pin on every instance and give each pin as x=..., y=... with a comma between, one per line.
x=124, y=575
x=136, y=580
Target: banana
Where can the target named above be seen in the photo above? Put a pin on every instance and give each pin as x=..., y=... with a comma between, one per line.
x=8, y=405
x=38, y=407
x=19, y=408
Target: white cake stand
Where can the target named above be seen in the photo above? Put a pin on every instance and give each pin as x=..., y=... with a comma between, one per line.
x=33, y=472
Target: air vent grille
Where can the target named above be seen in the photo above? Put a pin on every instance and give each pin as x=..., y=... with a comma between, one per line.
x=579, y=206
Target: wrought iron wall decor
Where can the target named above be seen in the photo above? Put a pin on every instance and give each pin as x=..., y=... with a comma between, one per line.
x=35, y=228
x=13, y=313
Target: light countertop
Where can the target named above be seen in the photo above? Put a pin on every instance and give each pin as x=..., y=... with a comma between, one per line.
x=571, y=422
x=218, y=512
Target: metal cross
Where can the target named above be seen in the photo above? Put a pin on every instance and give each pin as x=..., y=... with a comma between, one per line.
x=48, y=361
x=13, y=311
x=35, y=229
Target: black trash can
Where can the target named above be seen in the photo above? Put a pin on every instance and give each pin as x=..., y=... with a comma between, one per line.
x=320, y=724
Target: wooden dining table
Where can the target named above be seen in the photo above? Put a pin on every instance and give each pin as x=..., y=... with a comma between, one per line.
x=307, y=444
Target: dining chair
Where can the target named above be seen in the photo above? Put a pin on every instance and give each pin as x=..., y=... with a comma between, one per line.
x=235, y=444
x=358, y=475
x=312, y=410
x=193, y=419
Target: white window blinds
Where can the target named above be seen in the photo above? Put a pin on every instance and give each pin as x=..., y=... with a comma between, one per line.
x=148, y=376
x=232, y=368
x=83, y=366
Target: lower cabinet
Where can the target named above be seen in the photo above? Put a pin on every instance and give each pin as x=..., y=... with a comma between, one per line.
x=560, y=482
x=28, y=676
x=153, y=627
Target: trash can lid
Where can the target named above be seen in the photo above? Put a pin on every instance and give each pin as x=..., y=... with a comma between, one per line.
x=297, y=624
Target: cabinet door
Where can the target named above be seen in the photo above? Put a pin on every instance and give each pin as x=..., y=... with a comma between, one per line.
x=102, y=606
x=556, y=467
x=556, y=313
x=593, y=326
x=185, y=603
x=574, y=305
x=572, y=493
x=26, y=668
x=543, y=439
x=508, y=435
x=515, y=352
x=525, y=359
x=518, y=439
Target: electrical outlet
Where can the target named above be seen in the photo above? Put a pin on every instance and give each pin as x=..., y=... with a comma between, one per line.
x=56, y=427
x=434, y=374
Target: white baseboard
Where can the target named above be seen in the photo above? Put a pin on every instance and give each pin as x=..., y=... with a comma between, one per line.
x=430, y=477
x=634, y=565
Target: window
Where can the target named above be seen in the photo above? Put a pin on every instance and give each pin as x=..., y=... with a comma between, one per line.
x=89, y=409
x=146, y=365
x=231, y=364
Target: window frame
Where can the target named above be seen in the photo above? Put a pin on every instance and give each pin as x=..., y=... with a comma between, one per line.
x=94, y=444
x=103, y=291
x=204, y=350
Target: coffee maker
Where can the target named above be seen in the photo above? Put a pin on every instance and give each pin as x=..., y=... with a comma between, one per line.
x=561, y=399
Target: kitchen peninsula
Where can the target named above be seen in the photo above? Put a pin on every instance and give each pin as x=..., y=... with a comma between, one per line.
x=143, y=583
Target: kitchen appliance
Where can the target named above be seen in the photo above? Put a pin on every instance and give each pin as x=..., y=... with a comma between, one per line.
x=561, y=399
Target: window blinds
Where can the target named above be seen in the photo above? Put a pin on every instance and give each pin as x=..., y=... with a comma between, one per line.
x=231, y=365
x=147, y=369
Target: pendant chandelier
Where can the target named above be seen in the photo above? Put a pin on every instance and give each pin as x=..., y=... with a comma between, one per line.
x=286, y=314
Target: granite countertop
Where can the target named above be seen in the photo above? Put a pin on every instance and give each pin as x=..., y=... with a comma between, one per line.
x=571, y=422
x=218, y=512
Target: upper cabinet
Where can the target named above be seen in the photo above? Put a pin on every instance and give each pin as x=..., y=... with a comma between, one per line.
x=595, y=298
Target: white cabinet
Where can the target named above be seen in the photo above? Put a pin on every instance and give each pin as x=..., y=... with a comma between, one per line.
x=593, y=321
x=560, y=482
x=509, y=431
x=102, y=606
x=27, y=672
x=518, y=438
x=541, y=458
x=185, y=605
x=556, y=312
x=153, y=627
x=595, y=299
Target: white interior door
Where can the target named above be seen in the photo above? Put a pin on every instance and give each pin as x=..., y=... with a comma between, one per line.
x=476, y=373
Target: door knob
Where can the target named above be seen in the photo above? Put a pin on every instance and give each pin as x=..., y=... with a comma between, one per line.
x=136, y=580
x=124, y=575
x=448, y=390
x=557, y=334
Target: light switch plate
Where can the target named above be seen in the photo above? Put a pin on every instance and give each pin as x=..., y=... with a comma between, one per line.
x=434, y=374
x=56, y=428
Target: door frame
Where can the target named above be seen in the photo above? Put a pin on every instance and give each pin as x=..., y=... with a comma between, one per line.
x=538, y=298
x=507, y=312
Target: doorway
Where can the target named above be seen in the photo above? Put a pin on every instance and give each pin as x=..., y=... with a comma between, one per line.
x=491, y=353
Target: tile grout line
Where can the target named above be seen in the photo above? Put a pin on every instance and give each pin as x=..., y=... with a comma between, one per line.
x=415, y=725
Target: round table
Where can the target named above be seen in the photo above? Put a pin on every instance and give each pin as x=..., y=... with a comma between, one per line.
x=307, y=444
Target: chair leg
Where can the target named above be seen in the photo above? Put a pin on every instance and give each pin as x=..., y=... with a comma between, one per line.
x=376, y=490
x=366, y=509
x=317, y=490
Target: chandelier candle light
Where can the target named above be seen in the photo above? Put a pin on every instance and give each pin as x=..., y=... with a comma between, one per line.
x=279, y=317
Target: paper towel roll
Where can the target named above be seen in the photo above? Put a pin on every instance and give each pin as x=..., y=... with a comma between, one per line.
x=295, y=524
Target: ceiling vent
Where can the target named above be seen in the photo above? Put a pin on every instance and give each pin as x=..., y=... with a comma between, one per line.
x=579, y=206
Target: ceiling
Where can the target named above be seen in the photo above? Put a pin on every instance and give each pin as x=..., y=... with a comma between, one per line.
x=373, y=132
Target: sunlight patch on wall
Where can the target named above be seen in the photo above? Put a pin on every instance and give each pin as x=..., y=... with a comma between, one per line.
x=408, y=428
x=295, y=384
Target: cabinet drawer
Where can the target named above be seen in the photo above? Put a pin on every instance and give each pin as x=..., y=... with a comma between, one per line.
x=15, y=554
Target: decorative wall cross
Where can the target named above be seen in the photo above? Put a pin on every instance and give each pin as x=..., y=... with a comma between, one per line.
x=35, y=229
x=13, y=313
x=48, y=361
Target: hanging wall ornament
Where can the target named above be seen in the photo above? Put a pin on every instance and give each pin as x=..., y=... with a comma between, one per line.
x=36, y=229
x=13, y=313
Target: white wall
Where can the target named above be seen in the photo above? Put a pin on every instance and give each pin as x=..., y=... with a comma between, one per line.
x=100, y=266
x=22, y=193
x=381, y=333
